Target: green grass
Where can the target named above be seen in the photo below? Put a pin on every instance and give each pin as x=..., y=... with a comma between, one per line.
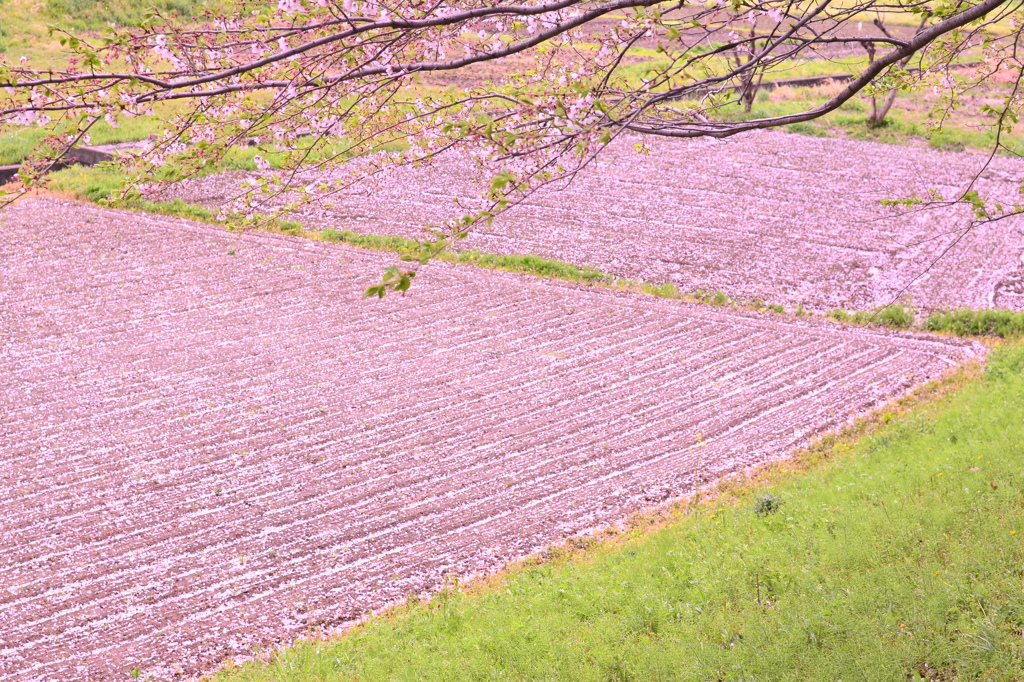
x=528, y=264
x=968, y=322
x=18, y=143
x=90, y=183
x=719, y=298
x=901, y=127
x=895, y=316
x=656, y=63
x=95, y=14
x=25, y=32
x=100, y=184
x=884, y=555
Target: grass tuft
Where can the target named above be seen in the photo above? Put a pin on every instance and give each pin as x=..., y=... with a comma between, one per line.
x=766, y=504
x=896, y=316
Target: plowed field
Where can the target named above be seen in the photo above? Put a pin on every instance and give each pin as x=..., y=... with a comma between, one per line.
x=211, y=441
x=786, y=218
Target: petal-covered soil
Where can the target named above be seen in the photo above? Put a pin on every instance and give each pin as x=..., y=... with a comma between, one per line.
x=785, y=218
x=212, y=442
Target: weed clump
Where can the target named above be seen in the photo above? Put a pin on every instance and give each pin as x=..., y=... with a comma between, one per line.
x=968, y=322
x=666, y=290
x=767, y=504
x=717, y=298
x=895, y=315
x=378, y=243
x=840, y=315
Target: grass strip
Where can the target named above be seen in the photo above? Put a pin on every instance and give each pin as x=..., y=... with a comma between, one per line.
x=528, y=264
x=99, y=184
x=969, y=322
x=895, y=316
x=898, y=556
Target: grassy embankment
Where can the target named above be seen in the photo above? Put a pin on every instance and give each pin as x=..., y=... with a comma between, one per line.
x=896, y=553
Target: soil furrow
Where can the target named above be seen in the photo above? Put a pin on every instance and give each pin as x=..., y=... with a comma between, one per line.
x=208, y=452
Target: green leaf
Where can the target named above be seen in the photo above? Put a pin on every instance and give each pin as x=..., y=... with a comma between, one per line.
x=501, y=180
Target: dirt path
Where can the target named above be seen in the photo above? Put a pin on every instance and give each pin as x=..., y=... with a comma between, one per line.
x=785, y=218
x=212, y=441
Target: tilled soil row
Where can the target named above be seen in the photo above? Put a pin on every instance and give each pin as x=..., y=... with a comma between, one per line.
x=789, y=219
x=212, y=442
